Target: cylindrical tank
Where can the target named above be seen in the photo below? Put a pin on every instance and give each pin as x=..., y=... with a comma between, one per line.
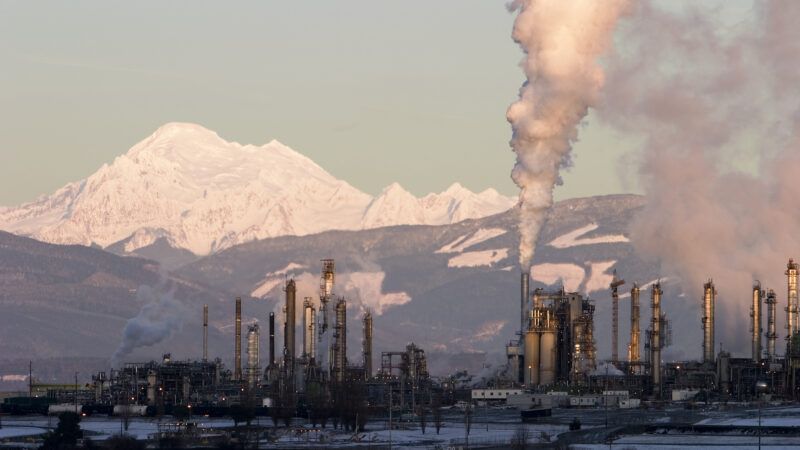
x=531, y=358
x=309, y=329
x=547, y=355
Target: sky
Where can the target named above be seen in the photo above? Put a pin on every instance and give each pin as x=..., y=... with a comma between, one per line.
x=375, y=92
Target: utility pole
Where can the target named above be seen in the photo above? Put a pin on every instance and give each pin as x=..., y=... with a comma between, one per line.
x=75, y=393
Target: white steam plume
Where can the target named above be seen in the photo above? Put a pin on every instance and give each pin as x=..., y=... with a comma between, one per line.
x=562, y=41
x=160, y=317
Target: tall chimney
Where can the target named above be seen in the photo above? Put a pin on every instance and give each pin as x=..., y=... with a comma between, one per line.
x=755, y=325
x=368, y=345
x=791, y=306
x=237, y=357
x=523, y=300
x=615, y=284
x=633, y=347
x=272, y=339
x=772, y=335
x=655, y=338
x=205, y=333
x=709, y=298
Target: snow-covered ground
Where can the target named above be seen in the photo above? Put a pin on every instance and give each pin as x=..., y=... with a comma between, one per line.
x=571, y=275
x=477, y=259
x=466, y=241
x=573, y=238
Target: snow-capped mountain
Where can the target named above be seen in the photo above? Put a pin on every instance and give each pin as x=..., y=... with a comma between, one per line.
x=192, y=189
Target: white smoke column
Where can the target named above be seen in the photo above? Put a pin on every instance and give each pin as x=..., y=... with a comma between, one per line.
x=562, y=41
x=160, y=317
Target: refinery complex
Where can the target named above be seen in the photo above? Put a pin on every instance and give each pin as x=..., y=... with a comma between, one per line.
x=555, y=348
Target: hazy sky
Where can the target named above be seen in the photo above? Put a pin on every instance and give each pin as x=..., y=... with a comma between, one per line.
x=375, y=92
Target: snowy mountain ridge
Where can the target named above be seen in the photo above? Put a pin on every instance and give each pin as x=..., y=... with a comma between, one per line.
x=186, y=185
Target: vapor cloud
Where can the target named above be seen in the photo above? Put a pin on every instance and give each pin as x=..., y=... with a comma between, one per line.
x=703, y=98
x=160, y=317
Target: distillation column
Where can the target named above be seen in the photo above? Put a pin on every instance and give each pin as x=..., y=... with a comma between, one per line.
x=615, y=283
x=309, y=330
x=367, y=345
x=253, y=367
x=791, y=306
x=289, y=328
x=772, y=335
x=205, y=333
x=709, y=298
x=340, y=341
x=633, y=347
x=655, y=337
x=237, y=357
x=755, y=326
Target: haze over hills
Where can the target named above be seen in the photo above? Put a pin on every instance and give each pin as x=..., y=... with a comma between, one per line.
x=188, y=189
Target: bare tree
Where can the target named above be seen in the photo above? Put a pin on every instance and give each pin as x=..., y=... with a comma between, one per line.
x=520, y=439
x=437, y=415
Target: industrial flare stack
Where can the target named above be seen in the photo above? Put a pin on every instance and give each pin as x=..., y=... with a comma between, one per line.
x=615, y=284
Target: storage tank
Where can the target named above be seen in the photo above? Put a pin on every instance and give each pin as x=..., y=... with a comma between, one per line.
x=547, y=355
x=531, y=358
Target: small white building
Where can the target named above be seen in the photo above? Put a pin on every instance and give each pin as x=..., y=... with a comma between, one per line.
x=497, y=395
x=682, y=395
x=584, y=401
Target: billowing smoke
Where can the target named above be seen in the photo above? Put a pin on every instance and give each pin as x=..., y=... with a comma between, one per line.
x=715, y=108
x=160, y=317
x=562, y=41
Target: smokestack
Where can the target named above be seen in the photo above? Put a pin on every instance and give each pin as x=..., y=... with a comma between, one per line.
x=709, y=298
x=633, y=347
x=791, y=306
x=253, y=369
x=615, y=283
x=655, y=338
x=368, y=345
x=340, y=341
x=523, y=300
x=237, y=357
x=772, y=336
x=205, y=333
x=755, y=326
x=289, y=324
x=309, y=330
x=272, y=339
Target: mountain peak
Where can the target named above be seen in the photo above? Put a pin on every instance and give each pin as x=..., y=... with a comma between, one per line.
x=201, y=193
